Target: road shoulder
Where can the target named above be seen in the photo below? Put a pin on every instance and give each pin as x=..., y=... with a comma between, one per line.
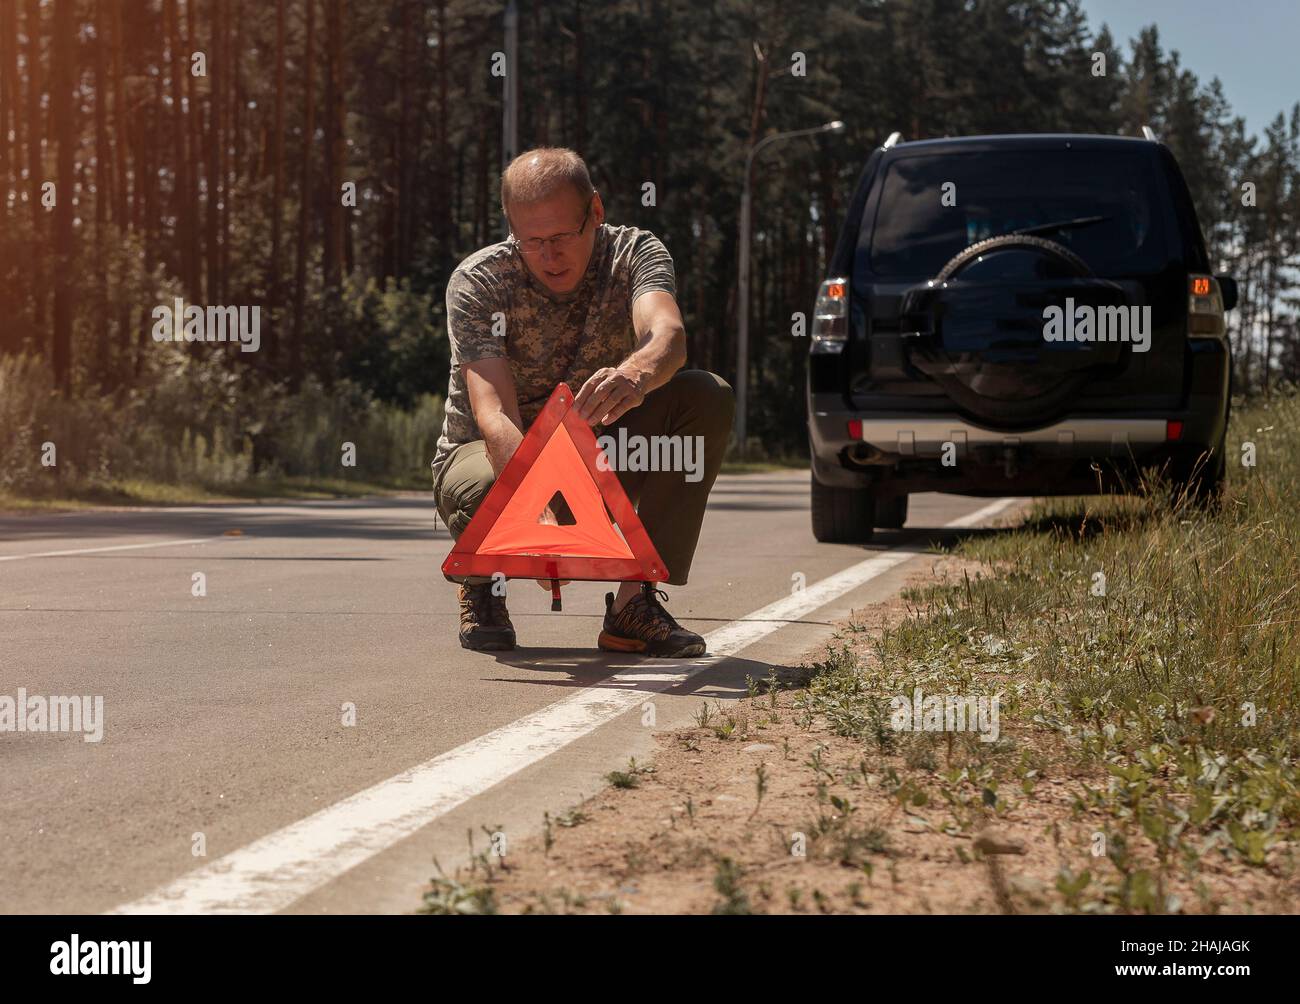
x=775, y=803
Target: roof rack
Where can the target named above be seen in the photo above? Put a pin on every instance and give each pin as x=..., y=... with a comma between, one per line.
x=1150, y=134
x=894, y=137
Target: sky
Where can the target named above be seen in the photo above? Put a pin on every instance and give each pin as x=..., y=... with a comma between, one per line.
x=1252, y=46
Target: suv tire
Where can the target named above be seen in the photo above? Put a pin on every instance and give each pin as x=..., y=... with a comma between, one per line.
x=891, y=512
x=1006, y=242
x=1202, y=480
x=1208, y=484
x=1039, y=408
x=842, y=515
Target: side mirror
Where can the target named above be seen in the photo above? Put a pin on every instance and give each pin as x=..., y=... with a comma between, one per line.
x=1228, y=289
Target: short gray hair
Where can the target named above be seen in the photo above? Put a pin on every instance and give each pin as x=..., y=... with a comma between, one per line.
x=538, y=174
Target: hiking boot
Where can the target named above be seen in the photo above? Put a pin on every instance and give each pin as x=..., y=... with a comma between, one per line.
x=484, y=622
x=644, y=626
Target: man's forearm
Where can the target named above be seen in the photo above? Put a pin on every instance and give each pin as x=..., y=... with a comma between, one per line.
x=501, y=436
x=662, y=354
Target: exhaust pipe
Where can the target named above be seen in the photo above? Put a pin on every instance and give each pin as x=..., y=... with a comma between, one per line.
x=863, y=455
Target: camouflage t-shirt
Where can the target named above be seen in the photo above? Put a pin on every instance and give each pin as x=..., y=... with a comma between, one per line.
x=548, y=338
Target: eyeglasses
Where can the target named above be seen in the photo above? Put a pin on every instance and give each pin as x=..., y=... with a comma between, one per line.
x=560, y=242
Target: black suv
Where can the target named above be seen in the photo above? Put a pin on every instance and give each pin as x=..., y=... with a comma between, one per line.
x=1014, y=315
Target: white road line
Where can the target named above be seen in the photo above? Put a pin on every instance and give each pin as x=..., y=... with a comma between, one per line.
x=980, y=515
x=276, y=870
x=100, y=550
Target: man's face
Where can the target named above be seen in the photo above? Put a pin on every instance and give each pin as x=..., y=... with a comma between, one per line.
x=559, y=266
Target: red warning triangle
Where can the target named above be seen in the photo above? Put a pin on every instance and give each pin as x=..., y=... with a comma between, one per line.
x=558, y=455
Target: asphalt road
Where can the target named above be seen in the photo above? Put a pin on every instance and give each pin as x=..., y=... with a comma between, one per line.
x=225, y=716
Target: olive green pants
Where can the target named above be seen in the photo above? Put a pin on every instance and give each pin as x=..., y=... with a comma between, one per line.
x=670, y=503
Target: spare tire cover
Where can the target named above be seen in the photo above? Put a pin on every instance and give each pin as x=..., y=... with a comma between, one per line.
x=977, y=329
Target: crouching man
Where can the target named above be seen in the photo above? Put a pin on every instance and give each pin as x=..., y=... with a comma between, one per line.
x=569, y=298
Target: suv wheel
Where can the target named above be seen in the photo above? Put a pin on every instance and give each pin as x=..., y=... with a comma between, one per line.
x=1071, y=261
x=1202, y=479
x=1209, y=485
x=891, y=512
x=1203, y=482
x=842, y=515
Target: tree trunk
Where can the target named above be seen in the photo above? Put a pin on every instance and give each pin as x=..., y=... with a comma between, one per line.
x=13, y=332
x=335, y=143
x=481, y=186
x=216, y=66
x=152, y=158
x=442, y=157
x=10, y=153
x=760, y=97
x=1247, y=312
x=233, y=150
x=1270, y=299
x=388, y=224
x=181, y=183
x=121, y=142
x=194, y=145
x=63, y=81
x=121, y=126
x=147, y=164
x=102, y=361
x=755, y=127
x=405, y=160
x=828, y=210
x=304, y=192
x=35, y=161
x=580, y=87
x=539, y=71
x=277, y=171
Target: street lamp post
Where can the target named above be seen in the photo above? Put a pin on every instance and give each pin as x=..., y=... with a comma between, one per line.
x=510, y=92
x=510, y=118
x=742, y=330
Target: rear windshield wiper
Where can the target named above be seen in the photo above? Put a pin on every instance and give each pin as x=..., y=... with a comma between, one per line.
x=1046, y=228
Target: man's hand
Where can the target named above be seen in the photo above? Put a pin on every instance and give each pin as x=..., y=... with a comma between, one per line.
x=548, y=517
x=609, y=394
x=660, y=352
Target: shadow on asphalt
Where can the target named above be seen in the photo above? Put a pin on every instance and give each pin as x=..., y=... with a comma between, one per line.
x=755, y=506
x=767, y=489
x=922, y=539
x=411, y=519
x=722, y=677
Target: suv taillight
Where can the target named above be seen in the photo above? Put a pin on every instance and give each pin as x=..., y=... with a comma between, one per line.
x=830, y=327
x=1204, y=307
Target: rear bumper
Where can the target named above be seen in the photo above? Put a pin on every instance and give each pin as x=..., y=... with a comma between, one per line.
x=911, y=436
x=901, y=452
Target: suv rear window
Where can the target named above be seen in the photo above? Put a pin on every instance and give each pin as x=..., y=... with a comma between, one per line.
x=1004, y=190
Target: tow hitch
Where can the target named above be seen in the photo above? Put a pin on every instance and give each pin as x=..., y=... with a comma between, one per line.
x=1010, y=461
